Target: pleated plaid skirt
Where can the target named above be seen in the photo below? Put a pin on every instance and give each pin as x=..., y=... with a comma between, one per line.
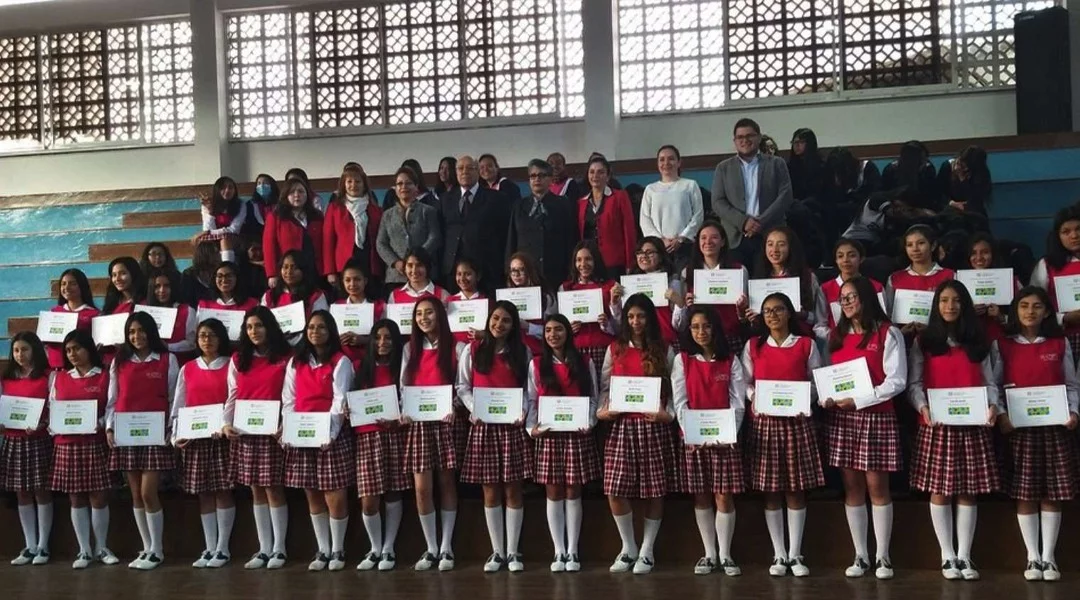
x=713, y=470
x=322, y=470
x=640, y=459
x=864, y=441
x=1041, y=463
x=81, y=468
x=25, y=463
x=783, y=455
x=380, y=463
x=951, y=461
x=429, y=446
x=142, y=458
x=461, y=429
x=497, y=454
x=566, y=458
x=257, y=461
x=205, y=466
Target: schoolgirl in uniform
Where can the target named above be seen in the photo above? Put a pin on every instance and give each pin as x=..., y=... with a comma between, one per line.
x=522, y=271
x=1062, y=260
x=588, y=272
x=430, y=359
x=467, y=278
x=223, y=216
x=26, y=455
x=711, y=252
x=1040, y=462
x=204, y=462
x=296, y=284
x=156, y=256
x=783, y=256
x=706, y=376
x=640, y=459
x=75, y=296
x=498, y=457
x=230, y=293
x=316, y=380
x=142, y=378
x=652, y=257
x=164, y=291
x=380, y=450
x=354, y=280
x=418, y=282
x=953, y=461
x=980, y=255
x=783, y=453
x=565, y=461
x=849, y=256
x=922, y=275
x=864, y=438
x=257, y=372
x=127, y=287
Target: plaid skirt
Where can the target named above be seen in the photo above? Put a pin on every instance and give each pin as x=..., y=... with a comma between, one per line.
x=461, y=429
x=429, y=446
x=142, y=458
x=204, y=466
x=864, y=441
x=497, y=454
x=596, y=353
x=1041, y=464
x=322, y=470
x=24, y=463
x=566, y=458
x=81, y=468
x=257, y=461
x=1074, y=343
x=784, y=455
x=713, y=470
x=951, y=461
x=380, y=463
x=640, y=459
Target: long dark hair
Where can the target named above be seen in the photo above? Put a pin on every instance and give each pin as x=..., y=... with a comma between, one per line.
x=654, y=352
x=516, y=352
x=1049, y=328
x=84, y=288
x=222, y=334
x=218, y=204
x=113, y=297
x=1056, y=253
x=170, y=262
x=440, y=187
x=446, y=345
x=39, y=361
x=174, y=288
x=365, y=375
x=278, y=348
x=977, y=238
x=719, y=342
x=85, y=340
x=697, y=258
x=284, y=210
x=275, y=192
x=974, y=158
x=762, y=330
x=967, y=331
x=240, y=292
x=658, y=245
x=306, y=351
x=599, y=271
x=303, y=290
x=153, y=337
x=794, y=266
x=927, y=232
x=871, y=319
x=574, y=361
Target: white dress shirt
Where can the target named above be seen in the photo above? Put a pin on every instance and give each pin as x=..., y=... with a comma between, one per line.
x=532, y=412
x=114, y=385
x=736, y=388
x=917, y=393
x=343, y=376
x=180, y=397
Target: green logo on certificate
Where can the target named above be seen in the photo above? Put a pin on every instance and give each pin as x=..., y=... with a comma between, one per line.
x=56, y=330
x=139, y=433
x=581, y=310
x=710, y=431
x=18, y=416
x=959, y=410
x=717, y=290
x=985, y=291
x=467, y=319
x=563, y=417
x=351, y=322
x=1038, y=411
x=72, y=420
x=845, y=386
x=428, y=407
x=496, y=410
x=256, y=421
x=635, y=398
x=406, y=322
x=200, y=426
x=306, y=433
x=521, y=307
x=285, y=323
x=919, y=312
x=781, y=401
x=373, y=410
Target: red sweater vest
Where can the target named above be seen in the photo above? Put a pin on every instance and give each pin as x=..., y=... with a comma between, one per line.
x=500, y=376
x=205, y=386
x=262, y=381
x=95, y=387
x=707, y=382
x=874, y=353
x=143, y=386
x=629, y=363
x=29, y=388
x=55, y=351
x=315, y=385
x=591, y=335
x=180, y=326
x=1032, y=365
x=780, y=364
x=831, y=291
x=428, y=373
x=902, y=280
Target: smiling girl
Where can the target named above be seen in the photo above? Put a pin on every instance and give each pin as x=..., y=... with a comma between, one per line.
x=418, y=283
x=849, y=255
x=296, y=284
x=783, y=257
x=1062, y=260
x=589, y=273
x=164, y=289
x=75, y=296
x=711, y=252
x=522, y=271
x=923, y=274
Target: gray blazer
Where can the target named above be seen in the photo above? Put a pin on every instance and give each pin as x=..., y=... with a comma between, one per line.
x=729, y=194
x=396, y=237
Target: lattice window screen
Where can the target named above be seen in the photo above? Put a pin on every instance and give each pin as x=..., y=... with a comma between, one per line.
x=20, y=92
x=985, y=45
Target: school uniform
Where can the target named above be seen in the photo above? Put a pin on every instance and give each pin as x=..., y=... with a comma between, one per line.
x=816, y=320
x=431, y=446
x=533, y=333
x=407, y=295
x=356, y=353
x=462, y=337
x=204, y=462
x=593, y=340
x=783, y=452
x=830, y=289
x=109, y=352
x=218, y=304
x=868, y=438
x=142, y=385
x=313, y=387
x=181, y=340
x=699, y=384
x=316, y=301
x=380, y=452
x=1041, y=463
x=55, y=350
x=563, y=458
x=950, y=460
x=1044, y=276
x=495, y=453
x=908, y=279
x=81, y=462
x=255, y=460
x=25, y=458
x=728, y=313
x=670, y=322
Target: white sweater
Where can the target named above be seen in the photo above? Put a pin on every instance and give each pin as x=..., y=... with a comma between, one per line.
x=672, y=209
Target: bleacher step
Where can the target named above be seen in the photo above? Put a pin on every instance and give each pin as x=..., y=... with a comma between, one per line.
x=98, y=285
x=165, y=218
x=17, y=324
x=108, y=252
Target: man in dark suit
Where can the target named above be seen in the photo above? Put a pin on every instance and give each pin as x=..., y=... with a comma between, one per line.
x=475, y=220
x=544, y=225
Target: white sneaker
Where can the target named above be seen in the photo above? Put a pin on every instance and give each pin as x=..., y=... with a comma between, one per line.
x=883, y=569
x=257, y=562
x=427, y=560
x=494, y=563
x=798, y=567
x=730, y=568
x=25, y=557
x=319, y=562
x=623, y=563
x=337, y=561
x=1033, y=571
x=778, y=568
x=704, y=566
x=371, y=560
x=573, y=563
x=558, y=564
x=387, y=562
x=41, y=558
x=514, y=563
x=82, y=561
x=219, y=560
x=968, y=570
x=204, y=559
x=1050, y=571
x=135, y=564
x=643, y=566
x=857, y=569
x=277, y=560
x=950, y=569
x=446, y=561
x=106, y=557
x=151, y=562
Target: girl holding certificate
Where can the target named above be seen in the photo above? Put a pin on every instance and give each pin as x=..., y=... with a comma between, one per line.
x=418, y=283
x=640, y=457
x=316, y=381
x=80, y=466
x=565, y=461
x=204, y=470
x=1040, y=462
x=1062, y=260
x=296, y=284
x=864, y=437
x=711, y=252
x=521, y=272
x=652, y=257
x=25, y=454
x=783, y=256
x=588, y=272
x=467, y=278
x=981, y=256
x=142, y=379
x=707, y=376
x=229, y=292
x=257, y=374
x=923, y=274
x=380, y=450
x=127, y=287
x=849, y=255
x=953, y=461
x=498, y=456
x=354, y=280
x=783, y=452
x=163, y=291
x=75, y=296
x=430, y=359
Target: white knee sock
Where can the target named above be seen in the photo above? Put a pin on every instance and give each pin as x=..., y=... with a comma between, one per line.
x=45, y=520
x=373, y=527
x=574, y=516
x=143, y=526
x=228, y=256
x=495, y=527
x=706, y=526
x=99, y=518
x=279, y=518
x=1051, y=525
x=156, y=525
x=1029, y=531
x=942, y=517
x=648, y=540
x=857, y=523
x=796, y=524
x=725, y=530
x=556, y=517
x=320, y=523
x=449, y=517
x=883, y=518
x=263, y=527
x=774, y=520
x=28, y=520
x=625, y=524
x=393, y=523
x=226, y=517
x=80, y=521
x=966, y=518
x=338, y=528
x=428, y=524
x=209, y=530
x=515, y=517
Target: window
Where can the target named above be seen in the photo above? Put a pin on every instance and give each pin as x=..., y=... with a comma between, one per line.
x=985, y=40
x=20, y=92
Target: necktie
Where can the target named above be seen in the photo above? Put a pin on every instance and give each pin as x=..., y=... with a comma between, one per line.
x=466, y=200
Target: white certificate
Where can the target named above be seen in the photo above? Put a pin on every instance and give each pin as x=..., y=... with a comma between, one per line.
x=910, y=306
x=467, y=314
x=164, y=316
x=199, y=422
x=401, y=313
x=18, y=412
x=988, y=286
x=834, y=307
x=306, y=429
x=108, y=330
x=1037, y=406
x=722, y=286
x=958, y=406
x=1067, y=290
x=782, y=398
x=716, y=426
x=366, y=407
x=139, y=429
x=585, y=306
x=563, y=413
x=528, y=300
x=53, y=327
x=354, y=318
x=653, y=285
x=634, y=394
x=233, y=320
x=73, y=417
x=291, y=317
x=257, y=417
x=500, y=406
x=788, y=286
x=426, y=402
x=849, y=379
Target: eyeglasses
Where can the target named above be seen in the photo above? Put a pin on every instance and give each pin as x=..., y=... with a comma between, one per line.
x=224, y=276
x=746, y=138
x=539, y=175
x=849, y=298
x=775, y=311
x=207, y=335
x=517, y=271
x=402, y=184
x=646, y=253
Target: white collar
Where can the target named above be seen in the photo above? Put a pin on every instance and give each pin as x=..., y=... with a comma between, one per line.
x=788, y=342
x=81, y=307
x=149, y=358
x=1019, y=339
x=475, y=296
x=213, y=365
x=933, y=269
x=349, y=301
x=74, y=373
x=427, y=289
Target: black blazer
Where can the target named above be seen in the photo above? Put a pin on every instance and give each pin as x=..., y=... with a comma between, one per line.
x=482, y=236
x=549, y=239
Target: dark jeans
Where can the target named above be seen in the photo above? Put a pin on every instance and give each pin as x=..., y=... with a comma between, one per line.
x=748, y=250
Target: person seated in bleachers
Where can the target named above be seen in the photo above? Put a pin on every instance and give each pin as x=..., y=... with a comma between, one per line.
x=768, y=145
x=197, y=281
x=913, y=169
x=805, y=166
x=965, y=181
x=156, y=256
x=223, y=217
x=848, y=183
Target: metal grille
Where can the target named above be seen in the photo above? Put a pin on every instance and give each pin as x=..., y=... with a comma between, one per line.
x=423, y=61
x=342, y=49
x=260, y=57
x=571, y=59
x=169, y=109
x=20, y=92
x=890, y=43
x=984, y=38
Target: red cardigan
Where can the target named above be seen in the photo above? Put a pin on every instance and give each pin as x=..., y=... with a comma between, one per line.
x=616, y=231
x=339, y=238
x=282, y=235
